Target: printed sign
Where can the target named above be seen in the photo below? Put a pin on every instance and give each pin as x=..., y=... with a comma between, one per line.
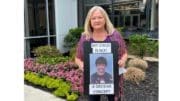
x=101, y=47
x=101, y=68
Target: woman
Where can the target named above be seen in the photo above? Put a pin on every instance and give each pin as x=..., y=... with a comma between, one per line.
x=99, y=28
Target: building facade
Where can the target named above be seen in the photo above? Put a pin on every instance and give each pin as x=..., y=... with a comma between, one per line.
x=132, y=14
x=48, y=21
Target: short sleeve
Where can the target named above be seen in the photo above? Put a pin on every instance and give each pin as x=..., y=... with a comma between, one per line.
x=79, y=48
x=122, y=46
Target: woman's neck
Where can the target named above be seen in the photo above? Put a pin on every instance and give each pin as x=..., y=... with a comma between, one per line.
x=97, y=31
x=99, y=35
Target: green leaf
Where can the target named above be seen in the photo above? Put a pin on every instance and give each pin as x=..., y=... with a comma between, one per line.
x=72, y=97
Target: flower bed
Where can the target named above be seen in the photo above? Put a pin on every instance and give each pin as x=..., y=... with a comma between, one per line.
x=67, y=72
x=58, y=86
x=63, y=71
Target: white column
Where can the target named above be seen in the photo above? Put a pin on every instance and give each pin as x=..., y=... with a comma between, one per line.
x=153, y=11
x=26, y=25
x=65, y=19
x=26, y=20
x=47, y=21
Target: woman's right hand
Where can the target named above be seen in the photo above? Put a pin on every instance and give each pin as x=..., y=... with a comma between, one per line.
x=79, y=63
x=81, y=66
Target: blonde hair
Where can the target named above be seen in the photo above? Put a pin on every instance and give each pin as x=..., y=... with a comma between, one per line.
x=87, y=26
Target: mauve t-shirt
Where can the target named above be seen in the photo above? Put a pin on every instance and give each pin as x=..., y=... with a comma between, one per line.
x=115, y=36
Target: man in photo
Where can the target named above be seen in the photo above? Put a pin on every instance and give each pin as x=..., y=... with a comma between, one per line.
x=101, y=76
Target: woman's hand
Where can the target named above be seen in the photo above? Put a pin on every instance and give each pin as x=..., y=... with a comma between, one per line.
x=79, y=63
x=81, y=66
x=121, y=63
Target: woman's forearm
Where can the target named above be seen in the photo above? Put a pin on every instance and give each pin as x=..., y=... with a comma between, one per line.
x=79, y=63
x=122, y=61
x=124, y=57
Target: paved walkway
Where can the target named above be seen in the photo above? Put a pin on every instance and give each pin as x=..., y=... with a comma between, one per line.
x=34, y=94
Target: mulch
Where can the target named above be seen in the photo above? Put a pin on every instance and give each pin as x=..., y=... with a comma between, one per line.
x=147, y=90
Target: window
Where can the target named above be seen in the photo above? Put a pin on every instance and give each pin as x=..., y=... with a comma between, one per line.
x=135, y=21
x=127, y=13
x=127, y=20
x=39, y=24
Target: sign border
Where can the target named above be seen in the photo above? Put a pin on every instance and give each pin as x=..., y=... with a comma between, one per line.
x=87, y=50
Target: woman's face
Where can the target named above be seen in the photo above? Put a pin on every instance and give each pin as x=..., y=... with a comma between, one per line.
x=97, y=20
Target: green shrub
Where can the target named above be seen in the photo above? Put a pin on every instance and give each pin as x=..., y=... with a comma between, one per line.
x=60, y=87
x=46, y=51
x=52, y=83
x=33, y=78
x=72, y=37
x=121, y=30
x=49, y=55
x=63, y=90
x=72, y=97
x=72, y=53
x=51, y=60
x=152, y=49
x=138, y=44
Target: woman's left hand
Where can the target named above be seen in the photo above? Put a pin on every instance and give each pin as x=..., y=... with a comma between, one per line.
x=121, y=63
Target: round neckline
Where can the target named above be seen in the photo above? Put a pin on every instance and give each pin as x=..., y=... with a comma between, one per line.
x=102, y=41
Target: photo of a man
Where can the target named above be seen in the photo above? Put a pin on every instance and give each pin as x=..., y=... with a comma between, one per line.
x=101, y=76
